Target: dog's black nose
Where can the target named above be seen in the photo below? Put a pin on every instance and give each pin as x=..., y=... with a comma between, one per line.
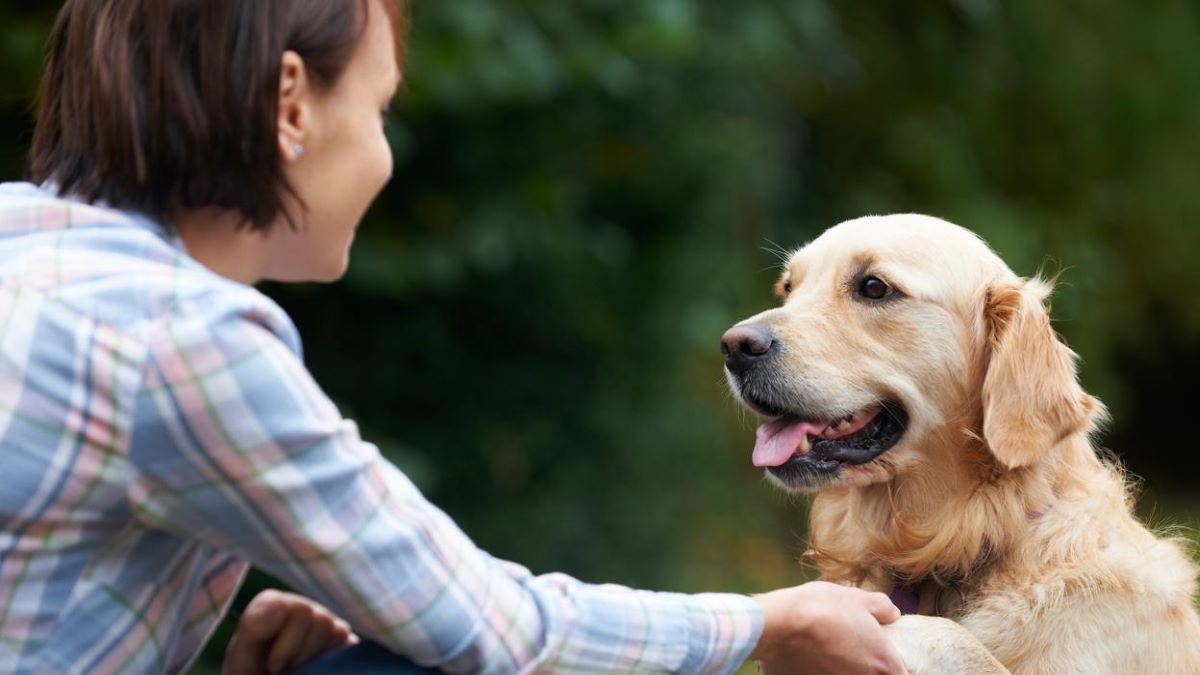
x=743, y=345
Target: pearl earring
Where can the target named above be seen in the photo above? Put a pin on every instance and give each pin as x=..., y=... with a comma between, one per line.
x=298, y=150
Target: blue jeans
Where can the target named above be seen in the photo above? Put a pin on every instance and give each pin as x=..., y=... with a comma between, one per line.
x=365, y=658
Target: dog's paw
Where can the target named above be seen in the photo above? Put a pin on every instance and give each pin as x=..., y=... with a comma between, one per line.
x=935, y=646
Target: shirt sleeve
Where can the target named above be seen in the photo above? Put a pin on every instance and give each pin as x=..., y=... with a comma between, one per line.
x=235, y=445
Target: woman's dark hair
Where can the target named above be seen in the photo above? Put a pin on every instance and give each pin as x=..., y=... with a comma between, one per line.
x=159, y=106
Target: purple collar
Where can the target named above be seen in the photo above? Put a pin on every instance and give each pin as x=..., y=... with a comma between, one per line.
x=908, y=598
x=904, y=597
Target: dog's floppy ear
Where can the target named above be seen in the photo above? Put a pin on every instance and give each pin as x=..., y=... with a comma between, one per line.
x=1032, y=400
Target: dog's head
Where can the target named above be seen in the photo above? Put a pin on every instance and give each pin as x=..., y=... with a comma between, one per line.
x=900, y=337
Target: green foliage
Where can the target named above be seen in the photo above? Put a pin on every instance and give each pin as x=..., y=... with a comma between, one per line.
x=586, y=195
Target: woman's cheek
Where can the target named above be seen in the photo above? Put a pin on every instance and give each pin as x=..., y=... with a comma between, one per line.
x=386, y=161
x=374, y=164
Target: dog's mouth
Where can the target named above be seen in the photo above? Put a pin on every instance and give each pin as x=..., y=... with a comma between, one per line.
x=792, y=447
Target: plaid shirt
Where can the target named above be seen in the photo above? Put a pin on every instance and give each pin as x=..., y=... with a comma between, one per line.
x=159, y=432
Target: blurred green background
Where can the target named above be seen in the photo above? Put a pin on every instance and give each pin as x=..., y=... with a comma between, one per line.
x=587, y=194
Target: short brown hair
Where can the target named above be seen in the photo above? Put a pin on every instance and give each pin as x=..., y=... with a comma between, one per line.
x=159, y=106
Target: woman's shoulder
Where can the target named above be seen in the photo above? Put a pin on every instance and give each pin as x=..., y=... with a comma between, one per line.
x=25, y=207
x=117, y=268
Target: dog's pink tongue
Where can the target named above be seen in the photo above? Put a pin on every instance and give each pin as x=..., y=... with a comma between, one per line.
x=776, y=442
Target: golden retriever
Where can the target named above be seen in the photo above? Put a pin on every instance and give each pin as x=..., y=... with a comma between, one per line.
x=915, y=382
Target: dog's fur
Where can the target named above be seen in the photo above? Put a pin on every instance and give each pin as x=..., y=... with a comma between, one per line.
x=995, y=496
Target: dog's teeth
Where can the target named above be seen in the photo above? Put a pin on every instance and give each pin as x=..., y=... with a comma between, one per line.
x=806, y=444
x=843, y=425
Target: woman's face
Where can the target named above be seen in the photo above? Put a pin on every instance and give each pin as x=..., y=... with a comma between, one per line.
x=345, y=160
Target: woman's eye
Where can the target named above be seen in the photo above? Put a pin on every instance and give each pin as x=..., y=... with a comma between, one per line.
x=873, y=288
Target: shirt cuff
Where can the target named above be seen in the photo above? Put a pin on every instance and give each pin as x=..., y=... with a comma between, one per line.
x=724, y=629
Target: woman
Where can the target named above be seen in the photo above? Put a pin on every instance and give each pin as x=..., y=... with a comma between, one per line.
x=160, y=429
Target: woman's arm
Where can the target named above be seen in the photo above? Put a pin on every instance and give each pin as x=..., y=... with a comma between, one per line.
x=235, y=445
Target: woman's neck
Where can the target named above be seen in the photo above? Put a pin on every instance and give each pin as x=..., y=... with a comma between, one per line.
x=220, y=241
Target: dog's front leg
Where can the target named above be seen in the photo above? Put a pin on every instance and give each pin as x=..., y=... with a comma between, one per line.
x=935, y=646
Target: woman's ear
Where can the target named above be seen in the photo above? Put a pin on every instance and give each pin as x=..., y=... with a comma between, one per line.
x=1032, y=400
x=295, y=106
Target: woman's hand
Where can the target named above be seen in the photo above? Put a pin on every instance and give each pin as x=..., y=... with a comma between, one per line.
x=280, y=632
x=825, y=628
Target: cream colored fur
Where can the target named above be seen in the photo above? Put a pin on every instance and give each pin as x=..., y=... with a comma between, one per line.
x=996, y=489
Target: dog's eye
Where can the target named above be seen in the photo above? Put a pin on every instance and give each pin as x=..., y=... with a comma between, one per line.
x=783, y=287
x=873, y=288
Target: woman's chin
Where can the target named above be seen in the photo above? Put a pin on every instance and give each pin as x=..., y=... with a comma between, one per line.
x=319, y=271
